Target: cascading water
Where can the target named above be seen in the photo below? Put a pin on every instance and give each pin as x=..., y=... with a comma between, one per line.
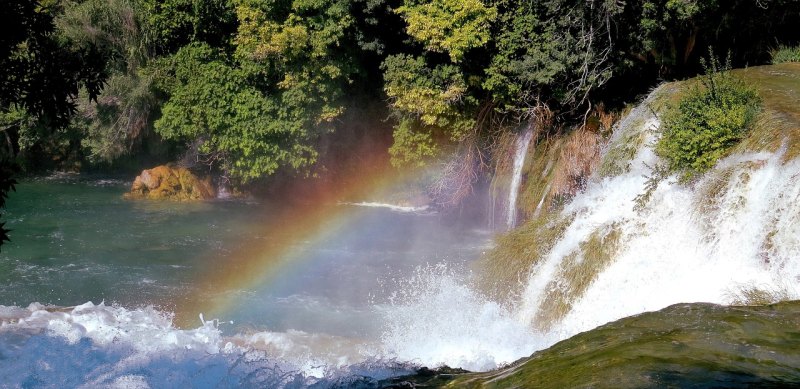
x=736, y=231
x=520, y=151
x=733, y=234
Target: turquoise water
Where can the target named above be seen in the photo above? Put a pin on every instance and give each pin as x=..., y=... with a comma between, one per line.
x=382, y=293
x=75, y=239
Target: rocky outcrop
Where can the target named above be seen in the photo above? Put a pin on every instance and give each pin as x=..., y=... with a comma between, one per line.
x=169, y=182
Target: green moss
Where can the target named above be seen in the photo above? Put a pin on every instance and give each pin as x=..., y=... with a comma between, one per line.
x=778, y=125
x=576, y=273
x=685, y=345
x=504, y=269
x=618, y=157
x=616, y=160
x=540, y=165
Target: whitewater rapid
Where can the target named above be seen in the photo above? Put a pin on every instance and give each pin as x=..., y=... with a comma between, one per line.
x=736, y=229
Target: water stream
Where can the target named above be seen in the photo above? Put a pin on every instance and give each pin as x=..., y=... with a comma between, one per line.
x=97, y=291
x=520, y=152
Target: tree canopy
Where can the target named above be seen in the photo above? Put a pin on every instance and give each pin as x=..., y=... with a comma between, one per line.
x=248, y=87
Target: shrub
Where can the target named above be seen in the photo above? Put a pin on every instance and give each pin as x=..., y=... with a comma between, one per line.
x=785, y=54
x=711, y=117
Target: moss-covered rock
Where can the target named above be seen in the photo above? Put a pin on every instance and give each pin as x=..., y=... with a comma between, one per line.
x=169, y=182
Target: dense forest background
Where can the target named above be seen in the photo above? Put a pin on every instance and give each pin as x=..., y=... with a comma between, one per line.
x=246, y=89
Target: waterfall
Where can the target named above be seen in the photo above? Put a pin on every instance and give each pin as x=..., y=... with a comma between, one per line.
x=731, y=238
x=520, y=151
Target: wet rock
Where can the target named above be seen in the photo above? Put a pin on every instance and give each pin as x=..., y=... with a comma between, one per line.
x=170, y=182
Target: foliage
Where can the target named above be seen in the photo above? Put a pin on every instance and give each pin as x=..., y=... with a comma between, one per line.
x=120, y=118
x=785, y=54
x=260, y=110
x=113, y=27
x=710, y=119
x=557, y=50
x=451, y=72
x=449, y=26
x=7, y=184
x=431, y=103
x=247, y=133
x=296, y=54
x=173, y=24
x=668, y=29
x=41, y=72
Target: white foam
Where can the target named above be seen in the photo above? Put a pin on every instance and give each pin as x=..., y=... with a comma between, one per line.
x=393, y=207
x=438, y=320
x=678, y=248
x=99, y=346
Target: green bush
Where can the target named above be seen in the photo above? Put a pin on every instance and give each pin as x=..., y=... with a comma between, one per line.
x=711, y=117
x=785, y=54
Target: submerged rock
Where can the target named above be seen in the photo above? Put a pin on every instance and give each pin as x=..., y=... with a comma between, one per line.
x=169, y=182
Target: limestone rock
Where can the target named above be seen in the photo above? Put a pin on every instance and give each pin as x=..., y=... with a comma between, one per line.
x=169, y=182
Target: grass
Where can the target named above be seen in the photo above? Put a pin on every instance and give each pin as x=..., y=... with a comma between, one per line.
x=783, y=54
x=617, y=160
x=779, y=123
x=754, y=296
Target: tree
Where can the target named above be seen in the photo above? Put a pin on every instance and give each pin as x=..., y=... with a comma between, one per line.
x=452, y=27
x=261, y=109
x=41, y=78
x=233, y=124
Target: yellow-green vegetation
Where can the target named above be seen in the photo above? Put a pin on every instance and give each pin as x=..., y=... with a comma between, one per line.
x=506, y=267
x=778, y=125
x=717, y=183
x=576, y=273
x=449, y=26
x=540, y=166
x=558, y=166
x=708, y=121
x=784, y=53
x=752, y=295
x=617, y=159
x=713, y=188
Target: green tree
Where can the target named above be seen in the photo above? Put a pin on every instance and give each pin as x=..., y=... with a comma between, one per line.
x=121, y=116
x=430, y=105
x=234, y=125
x=41, y=78
x=173, y=24
x=449, y=26
x=555, y=52
x=261, y=109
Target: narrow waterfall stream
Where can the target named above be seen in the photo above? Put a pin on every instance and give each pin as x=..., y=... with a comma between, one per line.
x=102, y=292
x=521, y=145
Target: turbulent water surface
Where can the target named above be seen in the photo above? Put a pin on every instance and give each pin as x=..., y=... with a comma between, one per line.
x=97, y=291
x=92, y=283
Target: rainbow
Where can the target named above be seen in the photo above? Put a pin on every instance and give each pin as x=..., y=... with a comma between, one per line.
x=320, y=216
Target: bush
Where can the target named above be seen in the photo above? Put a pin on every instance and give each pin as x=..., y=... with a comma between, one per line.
x=709, y=119
x=785, y=54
